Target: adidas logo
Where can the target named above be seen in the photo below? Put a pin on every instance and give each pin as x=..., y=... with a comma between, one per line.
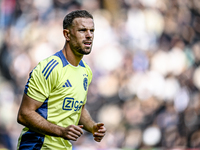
x=67, y=84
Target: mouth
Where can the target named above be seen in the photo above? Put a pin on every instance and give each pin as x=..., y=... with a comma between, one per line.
x=88, y=43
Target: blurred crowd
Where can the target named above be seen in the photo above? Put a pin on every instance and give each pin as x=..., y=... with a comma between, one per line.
x=145, y=62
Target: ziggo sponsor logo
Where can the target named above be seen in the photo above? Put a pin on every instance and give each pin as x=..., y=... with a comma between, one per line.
x=71, y=104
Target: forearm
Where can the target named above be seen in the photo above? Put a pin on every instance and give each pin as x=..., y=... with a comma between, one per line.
x=28, y=117
x=37, y=123
x=97, y=129
x=86, y=120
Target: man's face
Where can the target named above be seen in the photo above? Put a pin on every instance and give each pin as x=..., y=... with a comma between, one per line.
x=81, y=36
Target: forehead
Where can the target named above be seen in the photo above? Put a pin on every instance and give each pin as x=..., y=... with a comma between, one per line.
x=83, y=23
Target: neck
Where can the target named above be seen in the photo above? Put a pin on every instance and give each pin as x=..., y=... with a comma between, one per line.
x=70, y=56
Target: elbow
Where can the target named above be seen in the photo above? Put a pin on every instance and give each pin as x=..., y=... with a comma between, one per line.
x=21, y=119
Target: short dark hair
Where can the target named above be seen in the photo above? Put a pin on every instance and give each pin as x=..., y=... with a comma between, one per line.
x=67, y=22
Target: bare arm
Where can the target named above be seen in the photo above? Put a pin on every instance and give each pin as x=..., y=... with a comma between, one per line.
x=86, y=120
x=28, y=117
x=97, y=129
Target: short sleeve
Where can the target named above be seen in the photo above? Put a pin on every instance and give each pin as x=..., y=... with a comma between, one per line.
x=41, y=82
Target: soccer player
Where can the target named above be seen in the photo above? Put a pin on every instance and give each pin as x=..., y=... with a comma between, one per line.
x=53, y=105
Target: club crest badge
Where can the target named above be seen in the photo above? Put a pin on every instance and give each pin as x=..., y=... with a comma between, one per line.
x=85, y=82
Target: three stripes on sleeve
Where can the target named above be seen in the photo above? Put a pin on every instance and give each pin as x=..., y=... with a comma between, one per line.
x=50, y=66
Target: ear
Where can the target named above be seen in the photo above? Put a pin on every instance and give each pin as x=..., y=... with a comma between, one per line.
x=66, y=34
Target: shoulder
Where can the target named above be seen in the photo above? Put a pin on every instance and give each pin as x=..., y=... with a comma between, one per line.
x=49, y=66
x=52, y=62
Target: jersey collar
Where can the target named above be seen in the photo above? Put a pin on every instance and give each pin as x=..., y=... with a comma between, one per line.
x=64, y=60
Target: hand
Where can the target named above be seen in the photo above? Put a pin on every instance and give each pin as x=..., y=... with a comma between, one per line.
x=99, y=131
x=72, y=132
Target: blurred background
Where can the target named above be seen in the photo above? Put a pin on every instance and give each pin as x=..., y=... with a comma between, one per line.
x=145, y=62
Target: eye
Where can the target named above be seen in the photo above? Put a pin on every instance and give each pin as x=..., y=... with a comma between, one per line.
x=82, y=30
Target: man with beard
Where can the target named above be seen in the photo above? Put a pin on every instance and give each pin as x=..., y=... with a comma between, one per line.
x=53, y=105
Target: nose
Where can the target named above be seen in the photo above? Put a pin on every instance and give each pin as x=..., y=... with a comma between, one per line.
x=89, y=34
